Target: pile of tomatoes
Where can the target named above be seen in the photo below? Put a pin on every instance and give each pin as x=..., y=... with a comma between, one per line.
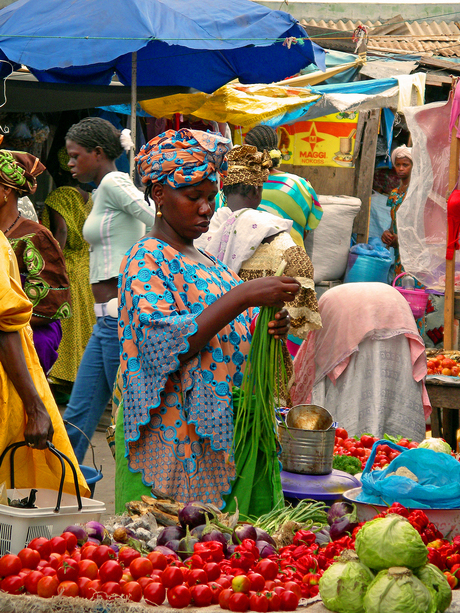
x=442, y=365
x=57, y=566
x=361, y=448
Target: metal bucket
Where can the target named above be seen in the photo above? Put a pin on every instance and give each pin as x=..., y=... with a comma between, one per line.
x=307, y=451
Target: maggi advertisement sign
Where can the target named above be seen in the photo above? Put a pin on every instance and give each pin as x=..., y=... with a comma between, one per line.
x=326, y=141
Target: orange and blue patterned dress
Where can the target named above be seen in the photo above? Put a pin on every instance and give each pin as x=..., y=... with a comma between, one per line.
x=177, y=419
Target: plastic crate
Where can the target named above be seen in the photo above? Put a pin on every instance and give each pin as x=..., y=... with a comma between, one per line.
x=19, y=526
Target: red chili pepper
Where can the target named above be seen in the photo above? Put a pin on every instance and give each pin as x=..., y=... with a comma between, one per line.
x=434, y=557
x=451, y=579
x=304, y=537
x=242, y=559
x=307, y=563
x=212, y=551
x=249, y=545
x=418, y=520
x=452, y=560
x=311, y=578
x=456, y=543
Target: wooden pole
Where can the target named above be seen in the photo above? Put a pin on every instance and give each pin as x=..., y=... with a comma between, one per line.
x=133, y=112
x=449, y=295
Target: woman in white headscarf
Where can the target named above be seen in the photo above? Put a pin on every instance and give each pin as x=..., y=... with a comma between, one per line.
x=401, y=158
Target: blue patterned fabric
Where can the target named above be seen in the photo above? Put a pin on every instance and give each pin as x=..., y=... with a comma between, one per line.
x=178, y=418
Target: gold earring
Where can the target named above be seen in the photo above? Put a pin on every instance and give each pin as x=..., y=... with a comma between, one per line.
x=159, y=213
x=5, y=199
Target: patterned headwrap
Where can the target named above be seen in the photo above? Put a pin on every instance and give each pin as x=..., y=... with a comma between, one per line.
x=19, y=170
x=401, y=152
x=186, y=157
x=247, y=165
x=63, y=159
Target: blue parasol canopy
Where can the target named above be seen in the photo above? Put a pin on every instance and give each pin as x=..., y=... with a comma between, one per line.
x=194, y=43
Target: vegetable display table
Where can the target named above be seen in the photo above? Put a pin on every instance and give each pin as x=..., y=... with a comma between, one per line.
x=445, y=400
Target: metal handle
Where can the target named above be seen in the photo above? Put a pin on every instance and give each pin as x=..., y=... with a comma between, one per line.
x=68, y=423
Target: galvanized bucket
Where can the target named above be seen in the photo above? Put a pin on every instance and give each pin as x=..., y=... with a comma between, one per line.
x=307, y=451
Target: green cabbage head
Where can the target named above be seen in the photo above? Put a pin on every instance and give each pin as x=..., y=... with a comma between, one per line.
x=432, y=577
x=344, y=583
x=390, y=541
x=436, y=444
x=397, y=590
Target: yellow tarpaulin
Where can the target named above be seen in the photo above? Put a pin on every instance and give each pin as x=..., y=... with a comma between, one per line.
x=244, y=105
x=235, y=104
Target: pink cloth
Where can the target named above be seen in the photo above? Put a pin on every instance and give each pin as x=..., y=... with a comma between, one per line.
x=351, y=313
x=455, y=113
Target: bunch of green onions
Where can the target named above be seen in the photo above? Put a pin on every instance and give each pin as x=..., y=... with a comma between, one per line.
x=265, y=378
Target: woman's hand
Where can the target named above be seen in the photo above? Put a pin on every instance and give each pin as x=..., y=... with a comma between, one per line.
x=279, y=327
x=390, y=239
x=39, y=428
x=271, y=291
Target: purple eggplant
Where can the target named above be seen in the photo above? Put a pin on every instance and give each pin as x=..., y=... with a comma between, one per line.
x=214, y=535
x=338, y=510
x=244, y=531
x=170, y=533
x=186, y=545
x=166, y=551
x=343, y=527
x=265, y=549
x=264, y=536
x=197, y=532
x=323, y=536
x=194, y=514
x=79, y=532
x=231, y=548
x=115, y=547
x=173, y=545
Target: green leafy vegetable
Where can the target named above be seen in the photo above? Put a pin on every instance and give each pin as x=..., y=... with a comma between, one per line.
x=390, y=541
x=348, y=464
x=436, y=444
x=397, y=590
x=432, y=577
x=343, y=585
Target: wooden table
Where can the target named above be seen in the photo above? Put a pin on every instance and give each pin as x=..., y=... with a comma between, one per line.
x=444, y=423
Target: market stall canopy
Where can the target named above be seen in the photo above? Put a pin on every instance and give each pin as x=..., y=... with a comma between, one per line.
x=177, y=42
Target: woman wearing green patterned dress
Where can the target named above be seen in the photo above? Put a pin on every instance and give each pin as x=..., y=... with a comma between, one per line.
x=65, y=212
x=41, y=262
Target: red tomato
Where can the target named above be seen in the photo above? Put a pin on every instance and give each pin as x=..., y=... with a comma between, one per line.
x=267, y=568
x=55, y=560
x=238, y=602
x=274, y=601
x=289, y=601
x=133, y=590
x=111, y=571
x=403, y=442
x=201, y=595
x=144, y=581
x=224, y=597
x=141, y=567
x=279, y=589
x=87, y=552
x=179, y=596
x=29, y=558
x=12, y=584
x=385, y=449
x=10, y=565
x=30, y=582
x=42, y=545
x=216, y=589
x=58, y=545
x=341, y=433
x=158, y=560
x=294, y=587
x=413, y=445
x=257, y=582
x=88, y=568
x=455, y=371
x=393, y=455
x=367, y=441
x=102, y=553
x=126, y=555
x=70, y=541
x=48, y=571
x=76, y=555
x=258, y=602
x=154, y=593
x=92, y=589
x=47, y=586
x=110, y=589
x=241, y=584
x=68, y=570
x=447, y=372
x=82, y=583
x=68, y=588
x=172, y=576
x=197, y=576
x=360, y=452
x=212, y=569
x=224, y=582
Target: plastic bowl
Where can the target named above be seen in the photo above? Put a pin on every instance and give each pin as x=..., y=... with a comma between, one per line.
x=446, y=520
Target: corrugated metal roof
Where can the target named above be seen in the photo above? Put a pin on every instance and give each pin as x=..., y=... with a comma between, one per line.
x=419, y=38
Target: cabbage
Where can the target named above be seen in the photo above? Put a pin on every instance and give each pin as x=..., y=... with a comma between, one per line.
x=397, y=590
x=436, y=444
x=432, y=577
x=390, y=541
x=344, y=583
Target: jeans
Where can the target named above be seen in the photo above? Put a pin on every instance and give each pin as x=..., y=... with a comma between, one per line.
x=93, y=386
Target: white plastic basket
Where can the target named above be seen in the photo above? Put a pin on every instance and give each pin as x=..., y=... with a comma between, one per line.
x=55, y=510
x=19, y=526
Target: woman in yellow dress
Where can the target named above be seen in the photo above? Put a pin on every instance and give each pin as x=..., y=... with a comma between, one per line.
x=28, y=411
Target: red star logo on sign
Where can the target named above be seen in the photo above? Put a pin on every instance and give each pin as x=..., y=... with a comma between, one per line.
x=312, y=137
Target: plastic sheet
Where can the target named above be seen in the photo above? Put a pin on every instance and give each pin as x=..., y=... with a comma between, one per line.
x=422, y=217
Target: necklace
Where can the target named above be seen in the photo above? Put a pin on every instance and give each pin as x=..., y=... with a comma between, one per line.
x=14, y=223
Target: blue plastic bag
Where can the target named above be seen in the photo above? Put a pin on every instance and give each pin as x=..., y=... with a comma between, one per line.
x=438, y=485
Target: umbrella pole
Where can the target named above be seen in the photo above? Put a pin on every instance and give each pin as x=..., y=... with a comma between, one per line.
x=133, y=111
x=449, y=295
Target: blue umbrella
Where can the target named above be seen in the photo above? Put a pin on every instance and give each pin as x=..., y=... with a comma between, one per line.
x=195, y=43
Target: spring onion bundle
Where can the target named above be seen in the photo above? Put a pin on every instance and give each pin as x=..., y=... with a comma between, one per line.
x=309, y=513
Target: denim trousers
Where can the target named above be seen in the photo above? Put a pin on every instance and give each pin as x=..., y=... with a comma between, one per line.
x=93, y=386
